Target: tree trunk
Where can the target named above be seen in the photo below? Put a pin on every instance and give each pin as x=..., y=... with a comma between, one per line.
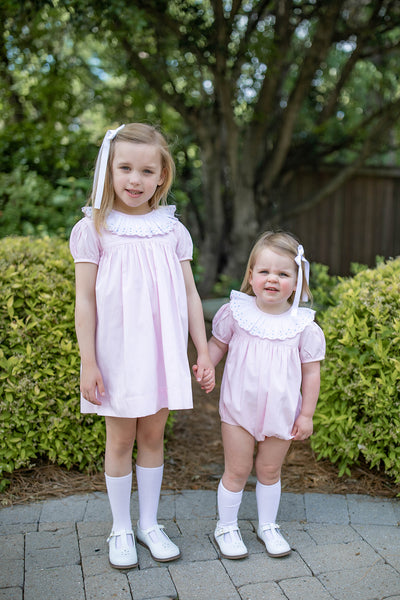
x=214, y=217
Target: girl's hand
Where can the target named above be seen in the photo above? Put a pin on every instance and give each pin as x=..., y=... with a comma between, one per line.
x=92, y=384
x=207, y=380
x=302, y=428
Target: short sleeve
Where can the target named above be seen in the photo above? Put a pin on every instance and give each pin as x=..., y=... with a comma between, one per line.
x=84, y=242
x=184, y=244
x=312, y=344
x=222, y=325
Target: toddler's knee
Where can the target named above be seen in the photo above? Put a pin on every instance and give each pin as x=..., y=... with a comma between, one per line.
x=235, y=479
x=268, y=474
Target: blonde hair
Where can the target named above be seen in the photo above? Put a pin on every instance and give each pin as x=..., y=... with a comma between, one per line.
x=281, y=242
x=136, y=133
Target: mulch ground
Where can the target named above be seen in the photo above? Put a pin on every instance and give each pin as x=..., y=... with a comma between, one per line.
x=194, y=460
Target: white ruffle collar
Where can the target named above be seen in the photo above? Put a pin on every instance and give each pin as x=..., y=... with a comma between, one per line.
x=273, y=327
x=157, y=222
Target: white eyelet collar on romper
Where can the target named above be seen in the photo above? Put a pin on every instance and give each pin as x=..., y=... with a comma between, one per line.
x=274, y=327
x=157, y=222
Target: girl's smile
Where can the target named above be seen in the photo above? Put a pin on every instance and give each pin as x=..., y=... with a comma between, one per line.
x=273, y=280
x=136, y=173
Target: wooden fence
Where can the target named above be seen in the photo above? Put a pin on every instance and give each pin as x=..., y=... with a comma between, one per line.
x=357, y=222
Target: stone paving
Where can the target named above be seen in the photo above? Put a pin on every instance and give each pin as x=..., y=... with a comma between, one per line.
x=344, y=548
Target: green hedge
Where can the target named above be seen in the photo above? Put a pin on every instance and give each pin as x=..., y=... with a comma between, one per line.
x=357, y=417
x=358, y=413
x=39, y=362
x=50, y=211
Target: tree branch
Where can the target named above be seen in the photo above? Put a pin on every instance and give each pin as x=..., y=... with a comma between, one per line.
x=331, y=104
x=268, y=102
x=236, y=4
x=369, y=148
x=318, y=51
x=164, y=25
x=252, y=22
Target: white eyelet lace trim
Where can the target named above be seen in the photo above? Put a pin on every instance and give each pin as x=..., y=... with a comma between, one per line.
x=157, y=222
x=273, y=327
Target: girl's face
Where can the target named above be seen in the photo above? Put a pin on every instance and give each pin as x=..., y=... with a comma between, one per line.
x=136, y=173
x=273, y=279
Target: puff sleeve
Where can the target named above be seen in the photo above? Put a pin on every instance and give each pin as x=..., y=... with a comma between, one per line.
x=84, y=242
x=222, y=325
x=312, y=344
x=184, y=244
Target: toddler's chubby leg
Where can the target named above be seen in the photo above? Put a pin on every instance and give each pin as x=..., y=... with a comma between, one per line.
x=238, y=449
x=270, y=456
x=238, y=453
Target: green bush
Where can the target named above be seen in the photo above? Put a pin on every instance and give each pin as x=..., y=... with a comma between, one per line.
x=49, y=211
x=322, y=285
x=358, y=413
x=39, y=362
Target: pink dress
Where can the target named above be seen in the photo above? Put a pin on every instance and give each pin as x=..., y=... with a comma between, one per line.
x=260, y=388
x=142, y=314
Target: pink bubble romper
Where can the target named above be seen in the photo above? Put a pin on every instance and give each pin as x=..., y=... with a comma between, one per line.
x=142, y=314
x=261, y=383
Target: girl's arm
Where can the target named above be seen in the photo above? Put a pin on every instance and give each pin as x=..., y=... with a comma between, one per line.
x=197, y=328
x=85, y=325
x=216, y=350
x=303, y=426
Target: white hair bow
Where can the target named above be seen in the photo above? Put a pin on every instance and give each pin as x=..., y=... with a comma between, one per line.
x=304, y=297
x=101, y=165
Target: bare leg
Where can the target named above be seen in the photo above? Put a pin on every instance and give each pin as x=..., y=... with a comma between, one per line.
x=238, y=452
x=150, y=439
x=119, y=445
x=269, y=460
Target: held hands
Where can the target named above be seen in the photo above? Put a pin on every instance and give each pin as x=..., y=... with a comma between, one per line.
x=302, y=428
x=92, y=384
x=205, y=374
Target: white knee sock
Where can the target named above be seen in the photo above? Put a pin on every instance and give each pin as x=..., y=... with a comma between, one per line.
x=149, y=482
x=268, y=499
x=228, y=505
x=119, y=495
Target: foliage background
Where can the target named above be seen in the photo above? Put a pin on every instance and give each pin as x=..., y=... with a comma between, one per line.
x=247, y=92
x=358, y=414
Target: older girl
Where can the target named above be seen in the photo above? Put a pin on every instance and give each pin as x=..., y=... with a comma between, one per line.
x=135, y=301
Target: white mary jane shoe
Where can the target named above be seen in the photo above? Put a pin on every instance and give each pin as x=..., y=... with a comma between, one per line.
x=274, y=541
x=156, y=540
x=229, y=541
x=122, y=554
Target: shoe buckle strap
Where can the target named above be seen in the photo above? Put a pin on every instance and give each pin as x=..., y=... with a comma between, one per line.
x=222, y=529
x=123, y=533
x=270, y=527
x=155, y=527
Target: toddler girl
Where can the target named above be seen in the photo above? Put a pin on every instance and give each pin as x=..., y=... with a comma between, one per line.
x=135, y=301
x=274, y=348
